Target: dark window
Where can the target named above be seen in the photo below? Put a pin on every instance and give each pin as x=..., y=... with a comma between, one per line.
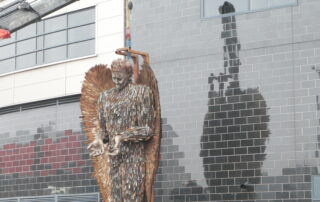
x=63, y=37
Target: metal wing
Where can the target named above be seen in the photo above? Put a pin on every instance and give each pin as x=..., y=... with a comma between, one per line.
x=97, y=80
x=152, y=152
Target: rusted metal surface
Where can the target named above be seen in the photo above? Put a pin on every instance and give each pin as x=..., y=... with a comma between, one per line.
x=122, y=121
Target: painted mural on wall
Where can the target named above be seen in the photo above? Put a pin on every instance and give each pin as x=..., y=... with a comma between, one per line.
x=44, y=155
x=235, y=127
x=233, y=144
x=272, y=150
x=122, y=120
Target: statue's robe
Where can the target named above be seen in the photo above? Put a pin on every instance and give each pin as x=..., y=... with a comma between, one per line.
x=128, y=113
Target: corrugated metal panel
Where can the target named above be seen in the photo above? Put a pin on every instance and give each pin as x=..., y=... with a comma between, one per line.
x=38, y=104
x=69, y=99
x=7, y=110
x=79, y=198
x=38, y=199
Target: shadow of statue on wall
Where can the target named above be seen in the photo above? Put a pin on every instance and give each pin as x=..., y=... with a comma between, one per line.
x=235, y=128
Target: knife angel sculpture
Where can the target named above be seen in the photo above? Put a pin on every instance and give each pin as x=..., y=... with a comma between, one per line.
x=123, y=123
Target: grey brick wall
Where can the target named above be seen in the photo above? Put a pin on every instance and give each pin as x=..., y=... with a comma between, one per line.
x=43, y=152
x=211, y=142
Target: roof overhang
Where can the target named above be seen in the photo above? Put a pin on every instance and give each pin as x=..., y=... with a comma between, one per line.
x=20, y=13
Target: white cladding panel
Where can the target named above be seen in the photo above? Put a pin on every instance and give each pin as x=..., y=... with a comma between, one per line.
x=6, y=97
x=39, y=91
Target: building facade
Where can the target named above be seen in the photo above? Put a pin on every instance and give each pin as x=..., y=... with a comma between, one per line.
x=43, y=155
x=239, y=85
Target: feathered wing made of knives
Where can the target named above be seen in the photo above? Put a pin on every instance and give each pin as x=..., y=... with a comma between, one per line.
x=97, y=80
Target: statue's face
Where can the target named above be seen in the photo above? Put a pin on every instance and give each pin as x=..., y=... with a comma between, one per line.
x=121, y=79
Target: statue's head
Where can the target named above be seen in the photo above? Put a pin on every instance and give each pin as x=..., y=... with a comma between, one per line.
x=121, y=73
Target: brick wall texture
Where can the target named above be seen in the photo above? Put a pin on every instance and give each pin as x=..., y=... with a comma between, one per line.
x=42, y=152
x=240, y=100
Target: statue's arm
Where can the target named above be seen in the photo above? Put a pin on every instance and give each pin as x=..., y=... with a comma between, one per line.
x=96, y=147
x=137, y=134
x=134, y=134
x=143, y=131
x=101, y=122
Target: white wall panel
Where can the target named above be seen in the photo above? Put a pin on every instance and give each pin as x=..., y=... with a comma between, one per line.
x=110, y=26
x=81, y=4
x=74, y=84
x=39, y=91
x=110, y=43
x=40, y=75
x=107, y=58
x=6, y=82
x=79, y=67
x=6, y=97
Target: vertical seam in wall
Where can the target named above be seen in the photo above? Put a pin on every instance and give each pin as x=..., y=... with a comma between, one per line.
x=13, y=88
x=294, y=88
x=96, y=28
x=65, y=79
x=67, y=52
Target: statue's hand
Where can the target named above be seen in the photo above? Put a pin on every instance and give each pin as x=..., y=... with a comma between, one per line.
x=96, y=147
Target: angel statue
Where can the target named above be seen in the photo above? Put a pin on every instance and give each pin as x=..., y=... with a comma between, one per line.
x=122, y=122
